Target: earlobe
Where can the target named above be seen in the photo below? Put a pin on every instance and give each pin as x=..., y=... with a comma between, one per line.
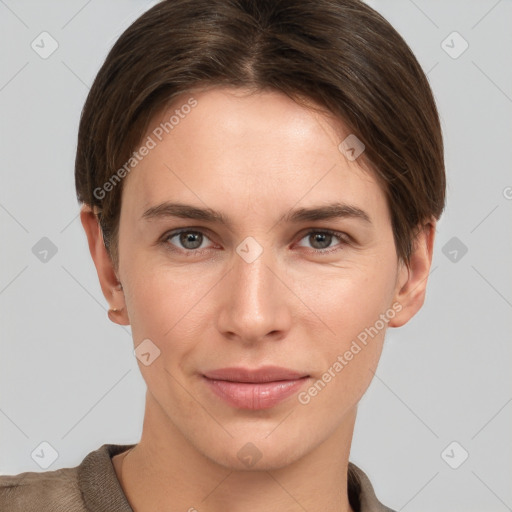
x=109, y=282
x=412, y=279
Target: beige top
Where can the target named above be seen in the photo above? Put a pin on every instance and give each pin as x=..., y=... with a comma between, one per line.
x=92, y=486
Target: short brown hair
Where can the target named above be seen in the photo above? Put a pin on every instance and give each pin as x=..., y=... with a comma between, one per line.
x=341, y=54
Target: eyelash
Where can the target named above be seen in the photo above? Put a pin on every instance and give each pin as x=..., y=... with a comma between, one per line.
x=343, y=238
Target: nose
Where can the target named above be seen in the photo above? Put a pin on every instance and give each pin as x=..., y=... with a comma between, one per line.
x=254, y=301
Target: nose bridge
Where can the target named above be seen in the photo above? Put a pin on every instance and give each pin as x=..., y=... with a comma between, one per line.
x=253, y=277
x=254, y=305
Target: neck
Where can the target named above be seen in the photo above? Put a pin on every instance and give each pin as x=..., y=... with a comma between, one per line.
x=165, y=471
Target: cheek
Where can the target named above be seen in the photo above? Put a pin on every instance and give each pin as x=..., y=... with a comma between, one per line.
x=349, y=300
x=358, y=312
x=355, y=309
x=167, y=305
x=165, y=309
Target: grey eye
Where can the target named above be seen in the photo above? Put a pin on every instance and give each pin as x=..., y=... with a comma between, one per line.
x=320, y=240
x=190, y=240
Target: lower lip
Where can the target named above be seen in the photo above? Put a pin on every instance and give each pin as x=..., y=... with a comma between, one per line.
x=255, y=396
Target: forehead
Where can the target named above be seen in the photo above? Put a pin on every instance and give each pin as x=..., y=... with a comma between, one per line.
x=228, y=146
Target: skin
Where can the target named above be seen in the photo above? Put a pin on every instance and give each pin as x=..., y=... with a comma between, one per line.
x=253, y=157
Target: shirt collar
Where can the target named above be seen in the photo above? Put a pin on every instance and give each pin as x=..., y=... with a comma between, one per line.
x=361, y=493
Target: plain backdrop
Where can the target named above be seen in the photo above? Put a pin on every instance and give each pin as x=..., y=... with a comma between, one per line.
x=442, y=392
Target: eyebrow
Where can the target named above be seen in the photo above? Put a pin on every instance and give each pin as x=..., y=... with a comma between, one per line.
x=186, y=211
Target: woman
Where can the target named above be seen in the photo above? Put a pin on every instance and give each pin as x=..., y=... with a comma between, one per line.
x=260, y=183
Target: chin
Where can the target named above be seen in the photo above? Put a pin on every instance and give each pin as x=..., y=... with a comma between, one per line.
x=255, y=452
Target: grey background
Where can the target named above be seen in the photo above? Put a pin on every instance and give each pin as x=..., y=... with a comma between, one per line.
x=68, y=376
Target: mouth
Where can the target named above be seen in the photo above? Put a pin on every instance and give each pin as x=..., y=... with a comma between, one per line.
x=256, y=389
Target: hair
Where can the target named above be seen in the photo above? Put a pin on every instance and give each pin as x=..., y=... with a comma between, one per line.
x=341, y=54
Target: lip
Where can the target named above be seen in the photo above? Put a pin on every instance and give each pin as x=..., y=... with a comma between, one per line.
x=258, y=375
x=261, y=388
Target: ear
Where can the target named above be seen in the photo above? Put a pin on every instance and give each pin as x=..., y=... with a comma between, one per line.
x=109, y=282
x=412, y=279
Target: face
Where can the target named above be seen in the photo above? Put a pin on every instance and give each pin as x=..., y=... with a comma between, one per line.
x=297, y=269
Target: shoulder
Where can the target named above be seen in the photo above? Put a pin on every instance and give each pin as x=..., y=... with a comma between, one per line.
x=361, y=493
x=48, y=491
x=91, y=485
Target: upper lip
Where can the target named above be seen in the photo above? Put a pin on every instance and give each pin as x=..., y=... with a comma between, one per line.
x=263, y=374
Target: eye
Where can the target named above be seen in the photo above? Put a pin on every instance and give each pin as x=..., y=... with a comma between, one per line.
x=321, y=240
x=191, y=240
x=186, y=239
